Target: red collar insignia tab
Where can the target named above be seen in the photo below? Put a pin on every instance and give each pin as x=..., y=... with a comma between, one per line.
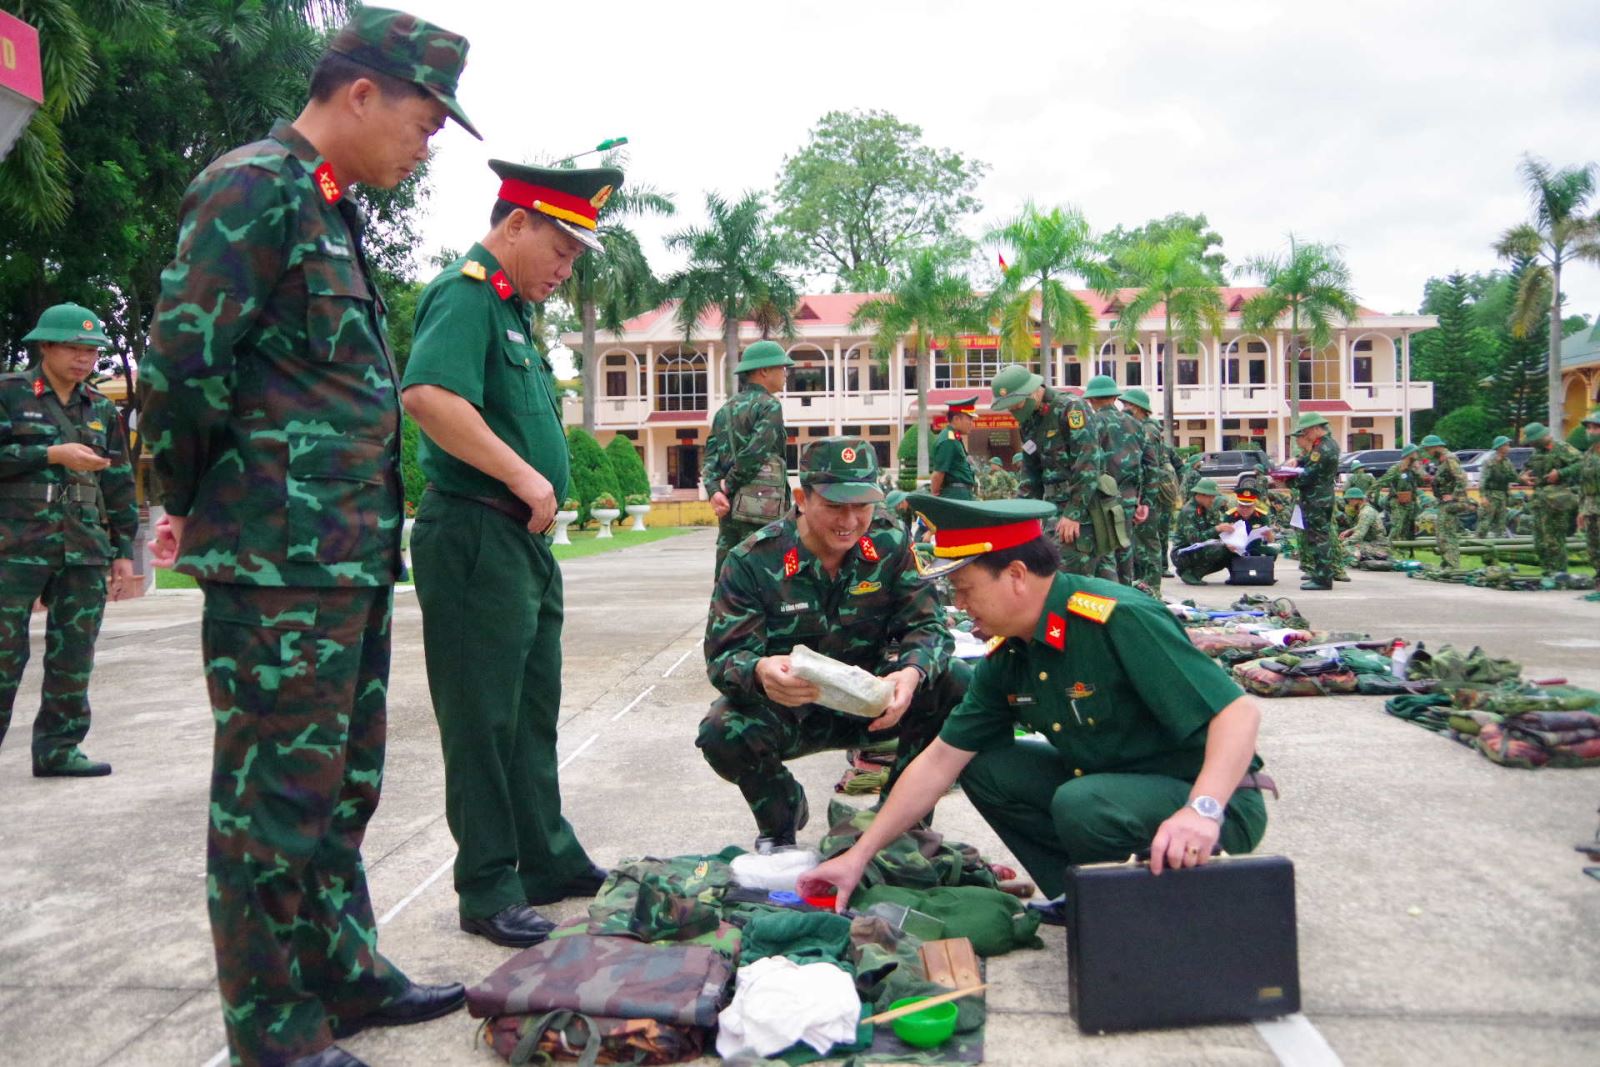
x=502, y=284
x=38, y=387
x=327, y=184
x=1055, y=631
x=869, y=551
x=791, y=563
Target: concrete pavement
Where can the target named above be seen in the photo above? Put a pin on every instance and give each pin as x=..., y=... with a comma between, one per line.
x=1443, y=915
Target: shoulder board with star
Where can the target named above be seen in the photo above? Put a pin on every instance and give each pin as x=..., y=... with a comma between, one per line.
x=994, y=644
x=869, y=551
x=791, y=563
x=475, y=270
x=1090, y=606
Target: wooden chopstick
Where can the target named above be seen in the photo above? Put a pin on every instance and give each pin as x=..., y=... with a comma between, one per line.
x=912, y=1009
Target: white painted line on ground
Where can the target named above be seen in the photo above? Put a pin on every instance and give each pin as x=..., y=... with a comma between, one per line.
x=675, y=666
x=1297, y=1043
x=219, y=1059
x=563, y=764
x=417, y=892
x=632, y=703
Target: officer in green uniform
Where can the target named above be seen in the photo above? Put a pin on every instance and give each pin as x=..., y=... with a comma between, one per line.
x=953, y=475
x=834, y=577
x=493, y=450
x=1551, y=470
x=272, y=414
x=1450, y=484
x=1195, y=551
x=1494, y=490
x=66, y=513
x=1147, y=743
x=745, y=449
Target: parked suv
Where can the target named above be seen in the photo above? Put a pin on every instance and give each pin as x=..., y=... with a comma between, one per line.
x=1474, y=468
x=1373, y=460
x=1225, y=467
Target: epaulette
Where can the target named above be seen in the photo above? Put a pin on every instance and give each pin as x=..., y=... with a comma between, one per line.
x=995, y=644
x=1090, y=606
x=475, y=270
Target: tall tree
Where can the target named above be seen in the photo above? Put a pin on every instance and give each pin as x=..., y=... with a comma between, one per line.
x=1517, y=392
x=1459, y=354
x=1311, y=285
x=607, y=289
x=1171, y=271
x=1564, y=230
x=929, y=303
x=737, y=265
x=864, y=192
x=1118, y=241
x=1046, y=249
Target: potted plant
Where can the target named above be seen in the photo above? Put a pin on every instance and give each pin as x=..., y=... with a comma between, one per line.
x=637, y=505
x=604, y=509
x=565, y=516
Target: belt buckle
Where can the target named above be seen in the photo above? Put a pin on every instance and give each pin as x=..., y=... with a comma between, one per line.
x=50, y=493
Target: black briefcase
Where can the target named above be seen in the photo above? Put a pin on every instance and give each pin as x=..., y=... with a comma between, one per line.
x=1251, y=570
x=1205, y=944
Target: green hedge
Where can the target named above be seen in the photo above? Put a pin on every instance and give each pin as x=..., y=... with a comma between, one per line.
x=629, y=468
x=591, y=471
x=1468, y=427
x=908, y=459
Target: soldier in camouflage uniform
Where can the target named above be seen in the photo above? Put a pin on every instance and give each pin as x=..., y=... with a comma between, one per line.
x=1450, y=484
x=831, y=578
x=1587, y=479
x=1552, y=469
x=1189, y=475
x=1122, y=446
x=1061, y=464
x=1314, y=493
x=1361, y=530
x=67, y=512
x=953, y=475
x=747, y=442
x=1494, y=490
x=272, y=415
x=997, y=483
x=1404, y=480
x=1360, y=478
x=1160, y=492
x=1201, y=520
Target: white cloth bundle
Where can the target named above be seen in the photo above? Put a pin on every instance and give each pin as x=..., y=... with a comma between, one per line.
x=844, y=688
x=777, y=1002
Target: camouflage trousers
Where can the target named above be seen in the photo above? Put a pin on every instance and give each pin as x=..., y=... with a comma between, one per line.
x=1050, y=818
x=729, y=534
x=1403, y=523
x=1147, y=546
x=1553, y=510
x=298, y=680
x=1194, y=566
x=75, y=598
x=1318, y=559
x=1493, y=510
x=747, y=743
x=1448, y=532
x=1083, y=556
x=1591, y=540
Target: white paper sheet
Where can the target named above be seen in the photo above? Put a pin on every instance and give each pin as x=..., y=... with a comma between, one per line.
x=1297, y=520
x=1238, y=540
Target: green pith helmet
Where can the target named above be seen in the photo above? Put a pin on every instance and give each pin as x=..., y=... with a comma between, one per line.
x=1100, y=387
x=1307, y=421
x=1012, y=385
x=405, y=47
x=895, y=498
x=571, y=198
x=1356, y=465
x=764, y=354
x=963, y=530
x=1535, y=432
x=1433, y=440
x=1139, y=399
x=1500, y=442
x=1355, y=492
x=1593, y=418
x=70, y=324
x=1016, y=457
x=843, y=470
x=1206, y=487
x=1409, y=450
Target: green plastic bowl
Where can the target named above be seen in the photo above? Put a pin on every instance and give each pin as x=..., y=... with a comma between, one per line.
x=928, y=1028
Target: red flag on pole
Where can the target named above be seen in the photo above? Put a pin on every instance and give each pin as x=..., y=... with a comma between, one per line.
x=1002, y=260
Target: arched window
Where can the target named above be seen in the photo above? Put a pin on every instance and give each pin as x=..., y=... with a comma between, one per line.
x=812, y=373
x=681, y=381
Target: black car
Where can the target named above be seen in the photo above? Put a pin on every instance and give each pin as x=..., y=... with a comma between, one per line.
x=1225, y=467
x=1474, y=468
x=1375, y=461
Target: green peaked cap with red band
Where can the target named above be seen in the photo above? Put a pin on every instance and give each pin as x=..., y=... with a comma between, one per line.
x=405, y=47
x=963, y=530
x=572, y=197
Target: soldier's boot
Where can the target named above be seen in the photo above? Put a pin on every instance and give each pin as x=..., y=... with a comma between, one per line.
x=71, y=763
x=781, y=833
x=332, y=1056
x=1315, y=586
x=1190, y=578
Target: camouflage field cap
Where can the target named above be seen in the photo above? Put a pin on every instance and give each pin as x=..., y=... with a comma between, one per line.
x=1012, y=385
x=1205, y=487
x=405, y=47
x=1100, y=387
x=1500, y=441
x=1433, y=440
x=1307, y=421
x=963, y=530
x=761, y=355
x=1355, y=492
x=70, y=324
x=1535, y=431
x=571, y=197
x=843, y=470
x=1138, y=398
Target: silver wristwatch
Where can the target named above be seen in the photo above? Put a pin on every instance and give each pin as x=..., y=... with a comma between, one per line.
x=1209, y=807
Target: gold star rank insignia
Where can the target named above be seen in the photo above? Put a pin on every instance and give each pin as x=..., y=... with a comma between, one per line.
x=1089, y=606
x=475, y=270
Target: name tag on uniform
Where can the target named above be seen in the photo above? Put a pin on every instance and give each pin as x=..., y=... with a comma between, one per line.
x=1029, y=447
x=333, y=248
x=35, y=415
x=790, y=609
x=1020, y=700
x=515, y=337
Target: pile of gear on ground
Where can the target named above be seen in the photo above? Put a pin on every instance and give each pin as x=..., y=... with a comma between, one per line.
x=679, y=956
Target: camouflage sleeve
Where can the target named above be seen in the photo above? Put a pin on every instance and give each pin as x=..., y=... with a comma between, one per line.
x=713, y=462
x=1085, y=463
x=18, y=456
x=1363, y=527
x=1151, y=473
x=233, y=239
x=918, y=622
x=763, y=438
x=1032, y=478
x=1186, y=531
x=736, y=630
x=116, y=485
x=1569, y=464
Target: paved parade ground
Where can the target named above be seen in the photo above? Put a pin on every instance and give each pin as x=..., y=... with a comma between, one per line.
x=1443, y=915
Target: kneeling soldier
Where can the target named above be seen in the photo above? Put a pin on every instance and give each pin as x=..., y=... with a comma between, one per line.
x=1200, y=521
x=1146, y=742
x=830, y=577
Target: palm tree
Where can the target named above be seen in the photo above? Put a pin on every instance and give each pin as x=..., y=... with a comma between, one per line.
x=1561, y=232
x=737, y=266
x=1312, y=286
x=1171, y=272
x=609, y=288
x=933, y=303
x=1046, y=247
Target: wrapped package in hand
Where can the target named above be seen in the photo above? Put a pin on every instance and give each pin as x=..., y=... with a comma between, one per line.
x=844, y=688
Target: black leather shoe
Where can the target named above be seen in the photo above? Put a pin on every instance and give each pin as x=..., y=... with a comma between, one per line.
x=584, y=885
x=417, y=1004
x=1051, y=912
x=332, y=1056
x=70, y=764
x=515, y=927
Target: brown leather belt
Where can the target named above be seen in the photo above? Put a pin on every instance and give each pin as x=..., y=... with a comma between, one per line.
x=1260, y=781
x=1403, y=497
x=515, y=509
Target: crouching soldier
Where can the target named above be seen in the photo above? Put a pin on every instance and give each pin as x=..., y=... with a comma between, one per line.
x=835, y=576
x=1200, y=522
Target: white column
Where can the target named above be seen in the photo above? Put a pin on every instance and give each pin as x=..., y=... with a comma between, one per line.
x=714, y=397
x=1344, y=364
x=654, y=468
x=649, y=379
x=1405, y=387
x=1278, y=380
x=836, y=399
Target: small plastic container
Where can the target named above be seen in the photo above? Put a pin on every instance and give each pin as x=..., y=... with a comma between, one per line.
x=826, y=901
x=928, y=1028
x=783, y=898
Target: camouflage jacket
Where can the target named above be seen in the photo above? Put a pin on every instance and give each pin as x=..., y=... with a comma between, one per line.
x=744, y=432
x=1319, y=467
x=1402, y=478
x=1195, y=524
x=51, y=515
x=1122, y=441
x=1061, y=459
x=1362, y=480
x=1366, y=524
x=1450, y=480
x=773, y=594
x=1498, y=474
x=271, y=407
x=1559, y=457
x=1188, y=476
x=1588, y=479
x=1160, y=475
x=996, y=483
x=950, y=457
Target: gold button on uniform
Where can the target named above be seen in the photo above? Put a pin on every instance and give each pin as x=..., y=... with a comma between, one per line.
x=1043, y=676
x=1077, y=772
x=1091, y=722
x=1056, y=727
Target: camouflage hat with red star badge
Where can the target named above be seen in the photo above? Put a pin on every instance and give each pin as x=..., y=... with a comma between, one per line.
x=843, y=470
x=963, y=530
x=572, y=198
x=70, y=324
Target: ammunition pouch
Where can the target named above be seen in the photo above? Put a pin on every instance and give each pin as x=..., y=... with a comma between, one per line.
x=1108, y=517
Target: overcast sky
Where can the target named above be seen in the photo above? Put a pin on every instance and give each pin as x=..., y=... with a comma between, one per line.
x=1391, y=128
